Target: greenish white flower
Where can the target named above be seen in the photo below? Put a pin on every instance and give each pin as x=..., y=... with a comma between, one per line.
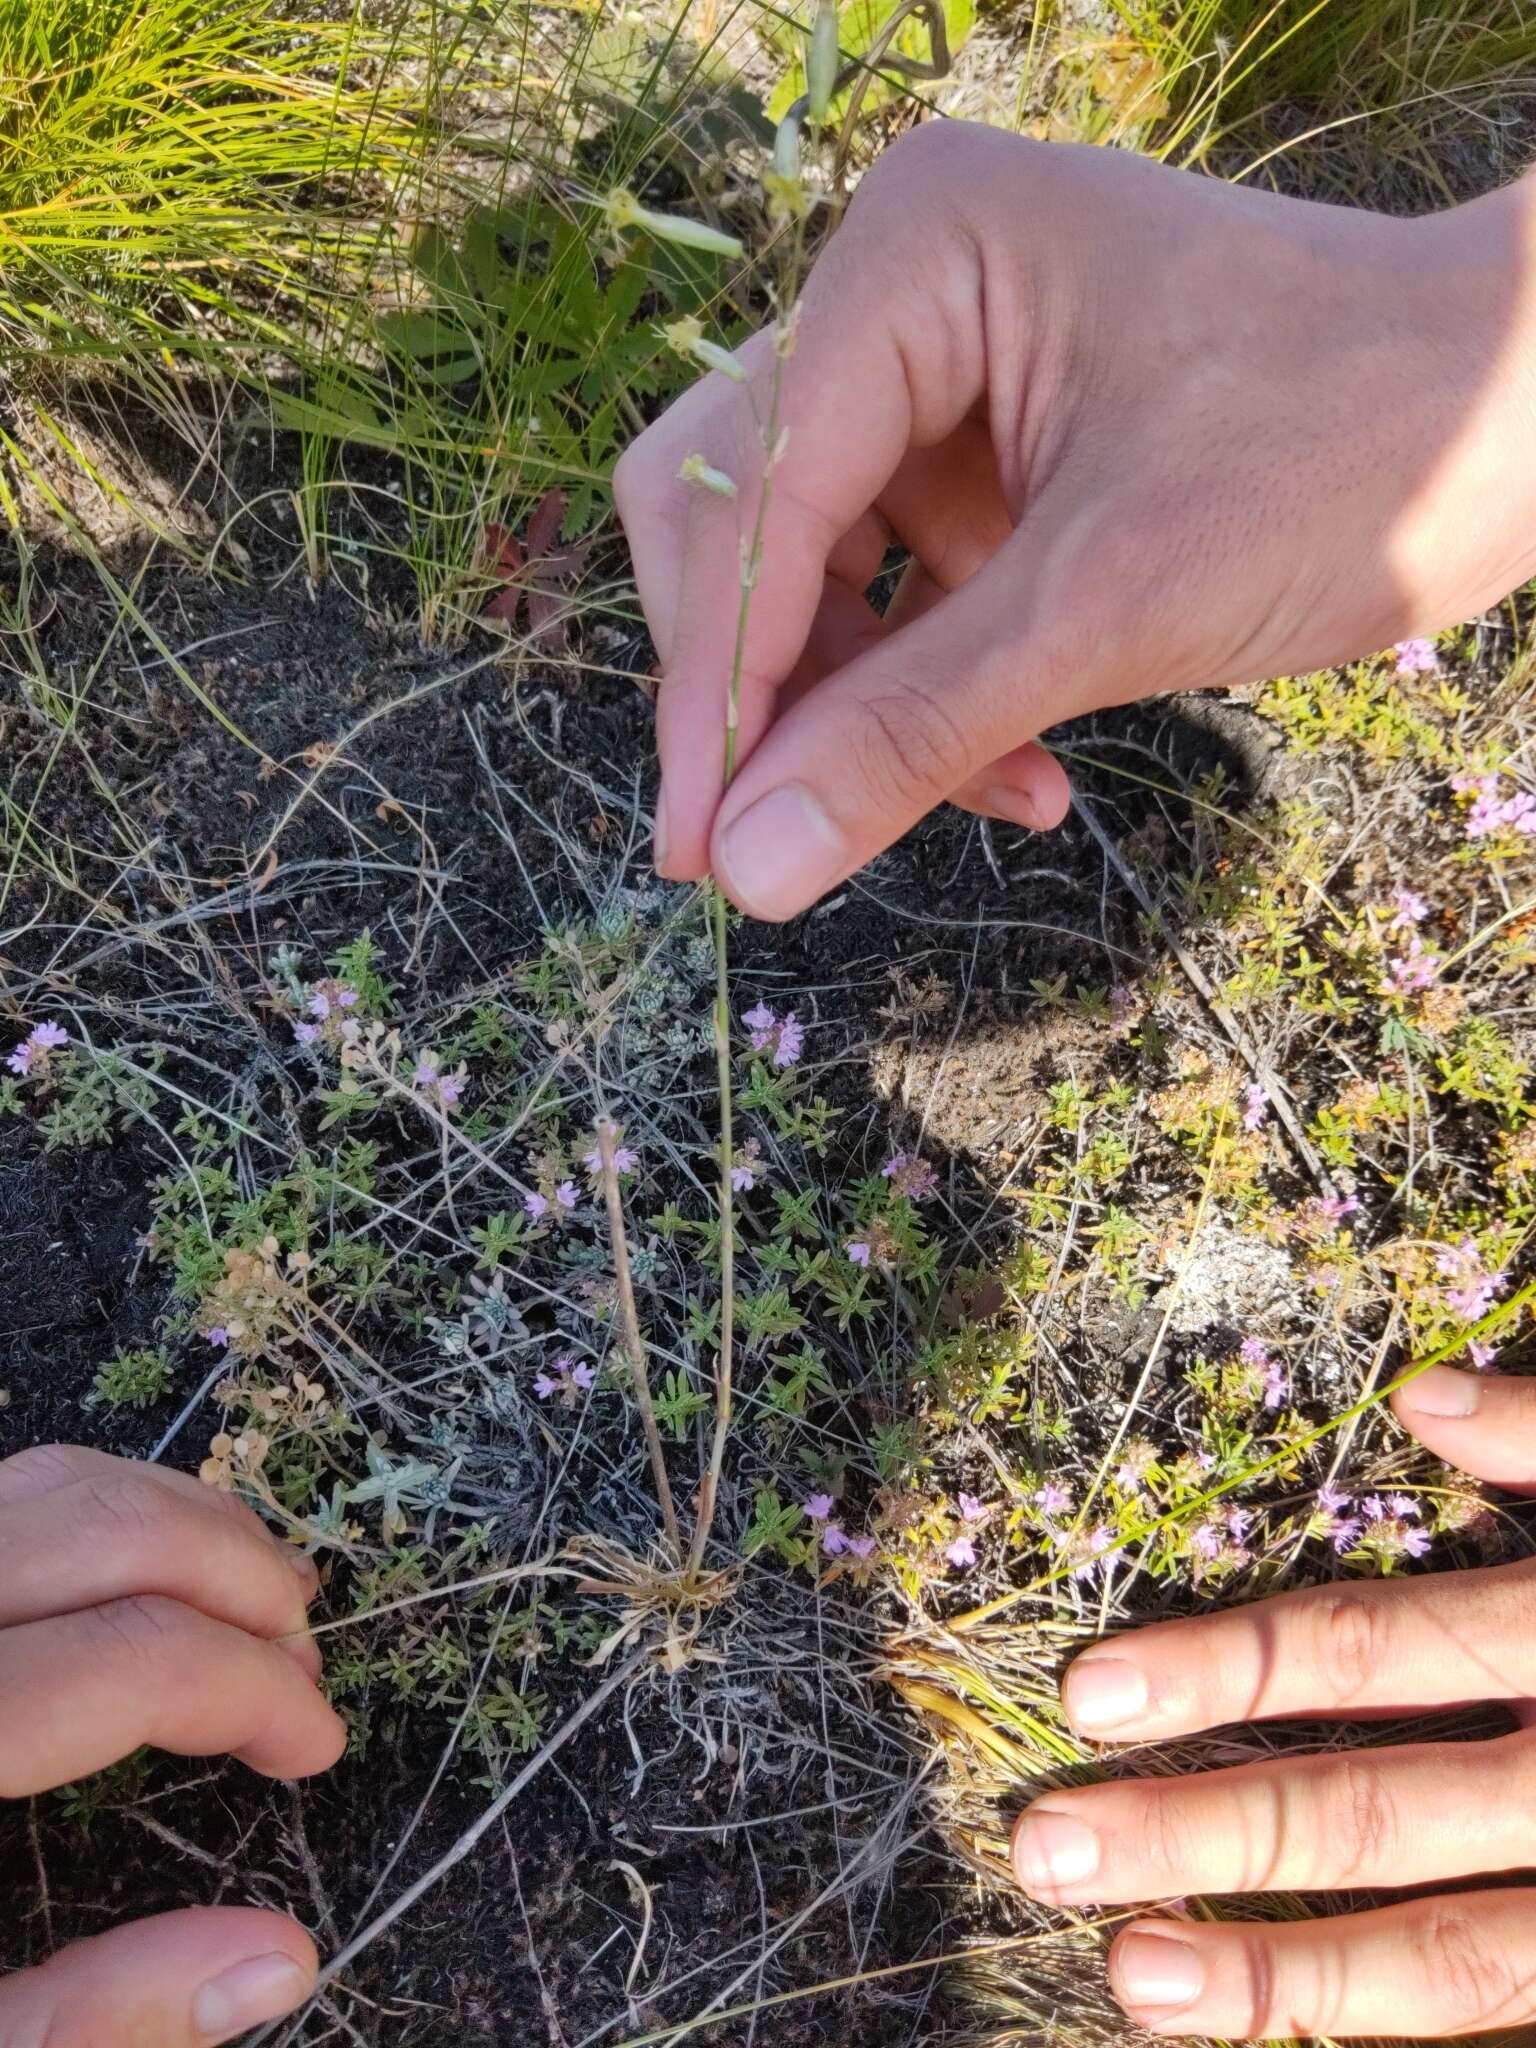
x=688, y=338
x=625, y=211
x=696, y=470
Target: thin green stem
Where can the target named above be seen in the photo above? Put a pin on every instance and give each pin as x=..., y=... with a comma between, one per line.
x=709, y=1488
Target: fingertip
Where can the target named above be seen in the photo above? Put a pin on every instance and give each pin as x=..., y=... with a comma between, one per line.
x=251, y=1992
x=1156, y=1974
x=1483, y=1423
x=779, y=853
x=1050, y=792
x=1101, y=1692
x=1442, y=1394
x=1028, y=787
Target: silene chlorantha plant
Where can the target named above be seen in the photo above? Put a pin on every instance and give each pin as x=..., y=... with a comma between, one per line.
x=788, y=201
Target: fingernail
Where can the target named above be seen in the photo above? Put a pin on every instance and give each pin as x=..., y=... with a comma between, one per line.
x=1157, y=1969
x=659, y=834
x=1442, y=1391
x=1017, y=805
x=1101, y=1692
x=302, y=1563
x=262, y=1989
x=1053, y=1849
x=781, y=853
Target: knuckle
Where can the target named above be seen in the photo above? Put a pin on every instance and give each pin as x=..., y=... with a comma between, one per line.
x=1166, y=1848
x=1261, y=1986
x=1360, y=1814
x=41, y=1468
x=1474, y=1975
x=912, y=747
x=131, y=1511
x=932, y=155
x=145, y=1629
x=1351, y=1639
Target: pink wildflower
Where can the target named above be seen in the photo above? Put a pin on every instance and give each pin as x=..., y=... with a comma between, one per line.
x=1255, y=1103
x=1276, y=1386
x=1471, y=1290
x=537, y=1205
x=1053, y=1499
x=218, y=1337
x=1412, y=971
x=819, y=1506
x=306, y=1034
x=1416, y=658
x=1403, y=1505
x=858, y=1252
x=1332, y=1499
x=781, y=1037
x=1346, y=1533
x=971, y=1509
x=746, y=1166
x=1482, y=1355
x=910, y=1175
x=1088, y=1552
x=566, y=1194
x=1416, y=1542
x=1407, y=911
x=862, y=1547
x=34, y=1050
x=1492, y=812
x=961, y=1553
x=1253, y=1351
x=624, y=1160
x=431, y=1080
x=833, y=1541
x=566, y=1378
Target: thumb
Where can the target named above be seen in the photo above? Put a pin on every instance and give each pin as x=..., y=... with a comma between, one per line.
x=918, y=717
x=1483, y=1423
x=181, y=1980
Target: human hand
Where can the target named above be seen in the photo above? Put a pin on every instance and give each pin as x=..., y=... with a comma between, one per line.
x=1140, y=431
x=1420, y=1813
x=138, y=1606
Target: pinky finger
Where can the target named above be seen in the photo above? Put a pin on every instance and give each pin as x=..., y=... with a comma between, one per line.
x=1462, y=1964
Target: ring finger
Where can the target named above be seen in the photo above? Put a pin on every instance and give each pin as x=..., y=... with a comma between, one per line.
x=1394, y=1816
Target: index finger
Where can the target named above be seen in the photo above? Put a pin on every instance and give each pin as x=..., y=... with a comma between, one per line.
x=874, y=368
x=1391, y=1645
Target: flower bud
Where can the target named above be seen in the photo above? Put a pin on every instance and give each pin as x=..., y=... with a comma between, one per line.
x=786, y=151
x=821, y=61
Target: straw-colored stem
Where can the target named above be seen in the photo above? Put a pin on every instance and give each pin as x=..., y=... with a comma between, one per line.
x=724, y=1370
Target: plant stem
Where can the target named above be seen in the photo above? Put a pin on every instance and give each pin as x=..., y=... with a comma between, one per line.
x=709, y=1487
x=639, y=1361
